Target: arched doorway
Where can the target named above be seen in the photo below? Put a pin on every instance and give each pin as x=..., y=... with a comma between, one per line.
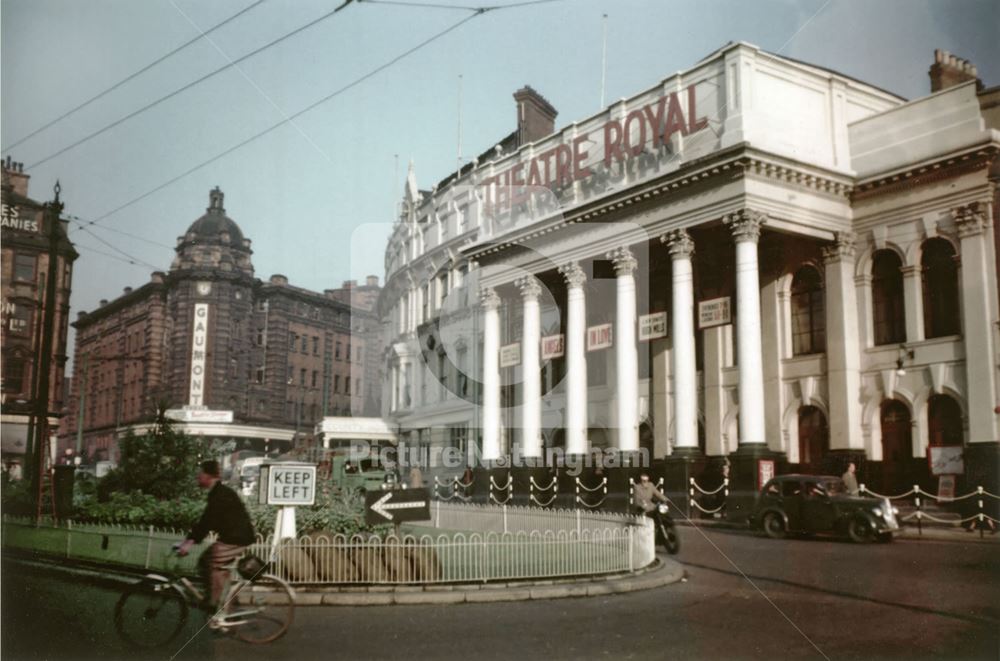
x=896, y=447
x=814, y=439
x=944, y=421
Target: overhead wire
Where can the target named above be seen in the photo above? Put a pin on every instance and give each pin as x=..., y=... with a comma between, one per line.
x=289, y=118
x=132, y=76
x=183, y=88
x=131, y=258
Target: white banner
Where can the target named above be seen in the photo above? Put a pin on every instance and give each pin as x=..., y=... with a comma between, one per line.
x=598, y=337
x=553, y=346
x=199, y=340
x=652, y=326
x=714, y=312
x=199, y=415
x=510, y=355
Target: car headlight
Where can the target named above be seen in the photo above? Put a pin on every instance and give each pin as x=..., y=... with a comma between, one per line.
x=895, y=511
x=877, y=511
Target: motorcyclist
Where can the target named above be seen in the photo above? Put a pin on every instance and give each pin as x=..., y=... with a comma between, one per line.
x=645, y=496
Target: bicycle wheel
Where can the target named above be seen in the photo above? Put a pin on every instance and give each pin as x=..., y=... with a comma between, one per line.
x=264, y=607
x=150, y=613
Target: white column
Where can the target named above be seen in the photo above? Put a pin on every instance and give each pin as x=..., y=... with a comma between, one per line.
x=979, y=298
x=576, y=359
x=843, y=345
x=681, y=248
x=626, y=352
x=745, y=226
x=531, y=408
x=491, y=374
x=913, y=302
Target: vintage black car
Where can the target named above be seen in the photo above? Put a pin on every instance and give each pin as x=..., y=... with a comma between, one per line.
x=807, y=504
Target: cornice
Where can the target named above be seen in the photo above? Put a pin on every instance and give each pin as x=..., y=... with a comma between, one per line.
x=927, y=172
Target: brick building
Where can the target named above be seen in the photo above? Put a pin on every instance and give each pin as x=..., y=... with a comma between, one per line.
x=255, y=362
x=25, y=263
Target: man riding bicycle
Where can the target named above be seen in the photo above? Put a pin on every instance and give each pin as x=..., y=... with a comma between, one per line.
x=226, y=515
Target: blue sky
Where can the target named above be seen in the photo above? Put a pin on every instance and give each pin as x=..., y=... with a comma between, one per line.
x=301, y=191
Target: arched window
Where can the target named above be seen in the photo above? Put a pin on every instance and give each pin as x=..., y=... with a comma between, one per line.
x=944, y=421
x=940, y=280
x=888, y=311
x=808, y=312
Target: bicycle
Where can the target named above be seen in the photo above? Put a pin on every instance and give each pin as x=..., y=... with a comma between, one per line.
x=257, y=607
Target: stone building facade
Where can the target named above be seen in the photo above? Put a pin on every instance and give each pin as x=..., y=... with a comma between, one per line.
x=25, y=267
x=235, y=358
x=756, y=260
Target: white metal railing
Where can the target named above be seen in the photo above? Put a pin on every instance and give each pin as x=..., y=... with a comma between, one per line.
x=472, y=543
x=459, y=557
x=721, y=500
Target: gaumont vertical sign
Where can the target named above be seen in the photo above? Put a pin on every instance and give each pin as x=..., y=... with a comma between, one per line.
x=199, y=340
x=653, y=125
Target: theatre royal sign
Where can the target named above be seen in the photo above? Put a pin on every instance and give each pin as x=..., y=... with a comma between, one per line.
x=595, y=158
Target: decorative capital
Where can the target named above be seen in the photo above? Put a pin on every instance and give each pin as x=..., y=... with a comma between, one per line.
x=575, y=277
x=842, y=247
x=489, y=298
x=970, y=219
x=679, y=243
x=530, y=289
x=745, y=224
x=624, y=261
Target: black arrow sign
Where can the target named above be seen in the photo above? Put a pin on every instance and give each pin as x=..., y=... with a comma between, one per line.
x=397, y=506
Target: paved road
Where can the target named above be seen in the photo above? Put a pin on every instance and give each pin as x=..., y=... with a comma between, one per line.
x=745, y=597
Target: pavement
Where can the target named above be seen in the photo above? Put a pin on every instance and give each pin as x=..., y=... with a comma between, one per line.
x=930, y=532
x=663, y=571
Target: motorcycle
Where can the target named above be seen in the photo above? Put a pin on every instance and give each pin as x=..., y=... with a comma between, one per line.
x=666, y=531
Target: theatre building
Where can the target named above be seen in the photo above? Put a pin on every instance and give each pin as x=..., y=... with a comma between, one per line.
x=26, y=244
x=231, y=357
x=755, y=259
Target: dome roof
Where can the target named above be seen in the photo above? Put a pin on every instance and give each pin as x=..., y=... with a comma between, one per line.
x=212, y=226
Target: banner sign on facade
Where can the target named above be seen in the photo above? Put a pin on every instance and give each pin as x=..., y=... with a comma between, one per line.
x=765, y=471
x=510, y=355
x=553, y=346
x=946, y=460
x=199, y=340
x=652, y=326
x=714, y=312
x=598, y=337
x=199, y=415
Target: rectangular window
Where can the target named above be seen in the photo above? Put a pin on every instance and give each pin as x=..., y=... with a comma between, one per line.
x=24, y=268
x=357, y=386
x=305, y=344
x=347, y=385
x=259, y=376
x=336, y=383
x=260, y=337
x=13, y=375
x=292, y=341
x=302, y=376
x=348, y=353
x=315, y=345
x=336, y=352
x=291, y=374
x=315, y=374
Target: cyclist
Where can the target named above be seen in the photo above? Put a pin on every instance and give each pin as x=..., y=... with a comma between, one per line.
x=226, y=515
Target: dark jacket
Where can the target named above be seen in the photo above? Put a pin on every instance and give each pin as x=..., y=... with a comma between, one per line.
x=226, y=515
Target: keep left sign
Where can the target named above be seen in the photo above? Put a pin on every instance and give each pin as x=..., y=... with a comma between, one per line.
x=291, y=484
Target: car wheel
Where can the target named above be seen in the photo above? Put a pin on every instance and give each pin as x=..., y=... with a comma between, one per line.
x=774, y=525
x=860, y=530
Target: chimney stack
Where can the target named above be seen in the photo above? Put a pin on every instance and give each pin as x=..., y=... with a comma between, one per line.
x=13, y=175
x=536, y=118
x=949, y=71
